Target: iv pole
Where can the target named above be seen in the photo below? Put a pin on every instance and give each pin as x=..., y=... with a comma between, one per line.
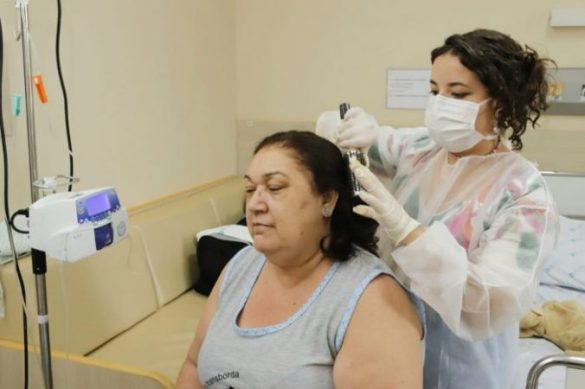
x=38, y=258
x=30, y=117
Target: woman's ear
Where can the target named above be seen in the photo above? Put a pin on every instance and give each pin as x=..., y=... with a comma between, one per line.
x=330, y=199
x=496, y=106
x=497, y=111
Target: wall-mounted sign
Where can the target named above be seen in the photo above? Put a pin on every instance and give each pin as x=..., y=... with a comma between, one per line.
x=407, y=89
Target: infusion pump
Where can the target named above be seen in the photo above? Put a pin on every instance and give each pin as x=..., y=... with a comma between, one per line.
x=69, y=226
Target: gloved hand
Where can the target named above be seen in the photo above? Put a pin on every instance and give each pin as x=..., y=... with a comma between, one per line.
x=328, y=125
x=382, y=206
x=359, y=130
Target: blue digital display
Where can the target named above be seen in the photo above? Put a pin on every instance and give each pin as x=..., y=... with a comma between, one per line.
x=97, y=204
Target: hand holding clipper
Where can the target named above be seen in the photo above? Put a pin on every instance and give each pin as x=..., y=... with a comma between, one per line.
x=380, y=205
x=359, y=130
x=352, y=154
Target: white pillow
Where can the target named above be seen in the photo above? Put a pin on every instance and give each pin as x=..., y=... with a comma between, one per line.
x=234, y=232
x=563, y=277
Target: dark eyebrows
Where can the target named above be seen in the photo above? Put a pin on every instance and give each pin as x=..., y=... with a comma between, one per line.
x=452, y=84
x=267, y=176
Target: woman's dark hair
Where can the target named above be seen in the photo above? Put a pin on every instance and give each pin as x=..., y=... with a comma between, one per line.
x=329, y=172
x=515, y=77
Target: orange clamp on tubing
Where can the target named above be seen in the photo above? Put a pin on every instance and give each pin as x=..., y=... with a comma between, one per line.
x=38, y=80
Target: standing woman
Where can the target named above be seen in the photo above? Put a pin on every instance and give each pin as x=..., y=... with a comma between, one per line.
x=471, y=221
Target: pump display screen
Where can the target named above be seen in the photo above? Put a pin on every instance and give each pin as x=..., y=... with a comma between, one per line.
x=97, y=204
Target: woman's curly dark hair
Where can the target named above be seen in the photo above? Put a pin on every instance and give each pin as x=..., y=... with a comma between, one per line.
x=515, y=77
x=329, y=172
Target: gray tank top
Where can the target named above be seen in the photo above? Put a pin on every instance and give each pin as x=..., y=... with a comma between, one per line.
x=297, y=353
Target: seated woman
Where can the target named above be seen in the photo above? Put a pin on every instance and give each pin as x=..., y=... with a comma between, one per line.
x=309, y=305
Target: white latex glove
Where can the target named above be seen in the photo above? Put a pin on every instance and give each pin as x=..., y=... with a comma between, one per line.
x=359, y=130
x=328, y=125
x=382, y=206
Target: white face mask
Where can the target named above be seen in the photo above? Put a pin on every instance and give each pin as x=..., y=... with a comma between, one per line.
x=451, y=123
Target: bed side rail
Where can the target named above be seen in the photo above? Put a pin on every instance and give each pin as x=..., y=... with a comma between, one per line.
x=541, y=365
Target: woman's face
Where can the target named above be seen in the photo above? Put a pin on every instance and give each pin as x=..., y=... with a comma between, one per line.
x=283, y=213
x=450, y=78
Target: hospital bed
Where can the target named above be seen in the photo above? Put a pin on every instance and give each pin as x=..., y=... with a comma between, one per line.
x=563, y=279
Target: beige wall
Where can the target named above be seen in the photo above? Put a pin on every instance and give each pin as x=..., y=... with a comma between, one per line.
x=157, y=89
x=151, y=88
x=298, y=58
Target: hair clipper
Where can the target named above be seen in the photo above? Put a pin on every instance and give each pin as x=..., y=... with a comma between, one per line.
x=352, y=154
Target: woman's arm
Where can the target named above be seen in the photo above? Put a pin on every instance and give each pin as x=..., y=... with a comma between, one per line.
x=394, y=147
x=188, y=377
x=482, y=292
x=382, y=346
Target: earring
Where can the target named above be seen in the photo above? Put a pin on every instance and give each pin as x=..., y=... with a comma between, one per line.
x=327, y=211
